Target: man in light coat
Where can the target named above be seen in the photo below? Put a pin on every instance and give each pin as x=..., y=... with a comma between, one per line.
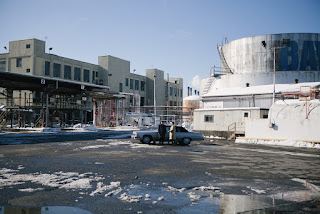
x=172, y=136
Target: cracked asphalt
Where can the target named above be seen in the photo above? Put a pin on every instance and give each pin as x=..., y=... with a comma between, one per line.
x=243, y=178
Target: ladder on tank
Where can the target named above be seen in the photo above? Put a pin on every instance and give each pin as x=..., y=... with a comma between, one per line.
x=224, y=63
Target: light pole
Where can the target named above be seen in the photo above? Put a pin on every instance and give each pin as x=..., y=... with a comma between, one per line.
x=274, y=73
x=134, y=85
x=154, y=96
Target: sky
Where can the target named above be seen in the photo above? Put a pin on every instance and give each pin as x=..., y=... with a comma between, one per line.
x=179, y=37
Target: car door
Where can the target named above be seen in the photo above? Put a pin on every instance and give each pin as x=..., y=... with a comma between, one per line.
x=181, y=133
x=166, y=138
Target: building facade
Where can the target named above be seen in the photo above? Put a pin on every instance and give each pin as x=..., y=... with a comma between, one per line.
x=111, y=74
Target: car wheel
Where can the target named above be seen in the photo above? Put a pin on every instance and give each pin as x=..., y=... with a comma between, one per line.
x=186, y=141
x=146, y=139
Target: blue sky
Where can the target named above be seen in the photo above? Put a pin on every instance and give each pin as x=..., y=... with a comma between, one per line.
x=177, y=36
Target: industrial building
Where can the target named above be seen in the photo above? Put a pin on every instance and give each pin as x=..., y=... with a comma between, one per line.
x=255, y=72
x=44, y=89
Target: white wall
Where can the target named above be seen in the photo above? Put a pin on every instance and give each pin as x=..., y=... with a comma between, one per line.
x=290, y=122
x=224, y=118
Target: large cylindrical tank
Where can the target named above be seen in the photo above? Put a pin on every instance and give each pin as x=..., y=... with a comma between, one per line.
x=251, y=59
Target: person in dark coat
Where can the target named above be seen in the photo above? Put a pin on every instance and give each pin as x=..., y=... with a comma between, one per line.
x=162, y=132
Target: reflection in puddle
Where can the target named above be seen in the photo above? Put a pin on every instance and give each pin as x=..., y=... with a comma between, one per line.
x=224, y=203
x=43, y=210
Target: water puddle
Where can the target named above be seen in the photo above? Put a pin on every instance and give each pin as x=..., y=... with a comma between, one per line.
x=43, y=210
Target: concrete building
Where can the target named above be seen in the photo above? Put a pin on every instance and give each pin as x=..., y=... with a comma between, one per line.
x=257, y=71
x=111, y=76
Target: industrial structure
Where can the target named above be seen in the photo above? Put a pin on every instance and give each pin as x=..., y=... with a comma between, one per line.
x=255, y=72
x=44, y=89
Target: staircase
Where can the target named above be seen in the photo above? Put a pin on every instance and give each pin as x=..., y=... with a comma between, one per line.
x=3, y=117
x=209, y=82
x=224, y=63
x=39, y=122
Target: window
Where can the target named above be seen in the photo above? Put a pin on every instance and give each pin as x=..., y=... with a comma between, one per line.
x=97, y=74
x=19, y=62
x=93, y=75
x=180, y=129
x=56, y=70
x=181, y=93
x=127, y=82
x=77, y=74
x=120, y=87
x=136, y=85
x=47, y=68
x=67, y=72
x=142, y=85
x=209, y=118
x=86, y=75
x=141, y=101
x=171, y=91
x=131, y=83
x=175, y=92
x=246, y=114
x=28, y=46
x=2, y=65
x=28, y=70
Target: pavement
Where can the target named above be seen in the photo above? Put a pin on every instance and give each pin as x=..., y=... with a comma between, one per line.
x=106, y=172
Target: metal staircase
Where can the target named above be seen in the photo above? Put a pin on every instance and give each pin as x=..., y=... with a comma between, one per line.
x=3, y=117
x=224, y=63
x=209, y=82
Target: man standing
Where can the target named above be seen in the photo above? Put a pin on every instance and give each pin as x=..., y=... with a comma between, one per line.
x=172, y=133
x=162, y=132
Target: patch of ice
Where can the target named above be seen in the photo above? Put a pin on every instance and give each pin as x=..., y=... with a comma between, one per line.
x=30, y=190
x=193, y=197
x=78, y=184
x=130, y=198
x=209, y=188
x=161, y=198
x=102, y=187
x=259, y=191
x=173, y=189
x=113, y=192
x=93, y=147
x=118, y=143
x=98, y=163
x=214, y=137
x=67, y=180
x=20, y=167
x=139, y=146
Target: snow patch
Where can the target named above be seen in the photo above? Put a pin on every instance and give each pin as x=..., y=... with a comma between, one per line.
x=93, y=147
x=259, y=191
x=102, y=187
x=214, y=137
x=30, y=190
x=291, y=143
x=66, y=180
x=130, y=198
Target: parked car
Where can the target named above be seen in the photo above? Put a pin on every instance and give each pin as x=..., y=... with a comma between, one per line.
x=183, y=136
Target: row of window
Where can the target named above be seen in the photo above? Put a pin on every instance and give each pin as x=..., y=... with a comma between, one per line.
x=210, y=118
x=175, y=103
x=174, y=92
x=136, y=84
x=67, y=72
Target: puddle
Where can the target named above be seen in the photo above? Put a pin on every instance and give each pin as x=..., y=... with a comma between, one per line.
x=43, y=210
